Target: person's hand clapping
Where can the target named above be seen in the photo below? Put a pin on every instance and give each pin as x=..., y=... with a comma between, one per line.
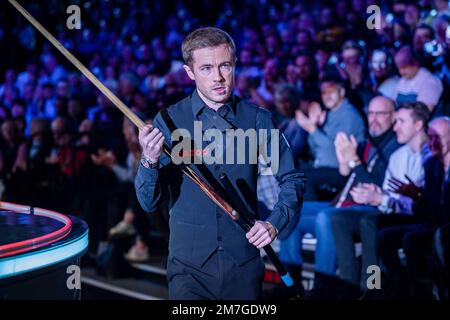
x=345, y=148
x=316, y=114
x=367, y=193
x=316, y=117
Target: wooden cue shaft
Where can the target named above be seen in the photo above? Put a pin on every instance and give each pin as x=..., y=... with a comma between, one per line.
x=137, y=121
x=88, y=74
x=85, y=71
x=119, y=104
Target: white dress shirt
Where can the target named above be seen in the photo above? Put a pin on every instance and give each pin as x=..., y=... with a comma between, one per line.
x=404, y=161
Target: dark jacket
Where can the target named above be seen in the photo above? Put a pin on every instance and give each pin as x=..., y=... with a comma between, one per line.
x=434, y=206
x=383, y=151
x=197, y=225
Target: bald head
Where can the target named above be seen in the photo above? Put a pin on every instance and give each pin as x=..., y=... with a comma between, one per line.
x=382, y=101
x=443, y=122
x=380, y=115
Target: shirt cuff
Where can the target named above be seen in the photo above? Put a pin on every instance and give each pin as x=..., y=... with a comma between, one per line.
x=385, y=205
x=277, y=221
x=146, y=174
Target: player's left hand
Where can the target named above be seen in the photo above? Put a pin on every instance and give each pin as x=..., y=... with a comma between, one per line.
x=261, y=234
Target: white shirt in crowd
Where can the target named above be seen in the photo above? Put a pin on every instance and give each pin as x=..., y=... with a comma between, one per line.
x=404, y=161
x=424, y=87
x=388, y=87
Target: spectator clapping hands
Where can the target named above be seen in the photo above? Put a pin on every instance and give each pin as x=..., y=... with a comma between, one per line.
x=345, y=148
x=368, y=194
x=315, y=118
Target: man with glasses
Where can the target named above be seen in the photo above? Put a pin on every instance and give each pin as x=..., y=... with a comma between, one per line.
x=364, y=162
x=405, y=164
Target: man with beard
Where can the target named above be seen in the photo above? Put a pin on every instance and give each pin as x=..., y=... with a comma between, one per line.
x=364, y=162
x=405, y=163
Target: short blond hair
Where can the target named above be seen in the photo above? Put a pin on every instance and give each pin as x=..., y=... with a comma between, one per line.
x=205, y=38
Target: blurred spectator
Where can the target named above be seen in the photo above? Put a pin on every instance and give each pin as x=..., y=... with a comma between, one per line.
x=52, y=72
x=440, y=8
x=401, y=33
x=13, y=150
x=292, y=74
x=107, y=123
x=322, y=57
x=246, y=65
x=322, y=126
x=383, y=78
x=75, y=113
x=264, y=94
x=405, y=165
x=353, y=69
x=328, y=30
x=64, y=154
x=432, y=211
x=134, y=50
x=287, y=100
x=307, y=73
x=412, y=15
x=365, y=162
x=303, y=42
x=134, y=220
x=422, y=36
x=416, y=83
x=8, y=87
x=39, y=145
x=127, y=86
x=27, y=77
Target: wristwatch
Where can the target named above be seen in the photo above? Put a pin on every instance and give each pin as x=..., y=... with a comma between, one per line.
x=353, y=163
x=149, y=164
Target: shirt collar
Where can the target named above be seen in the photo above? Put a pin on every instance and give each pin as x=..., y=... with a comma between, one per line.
x=198, y=104
x=342, y=106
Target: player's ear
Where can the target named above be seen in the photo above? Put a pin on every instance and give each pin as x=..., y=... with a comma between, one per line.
x=189, y=72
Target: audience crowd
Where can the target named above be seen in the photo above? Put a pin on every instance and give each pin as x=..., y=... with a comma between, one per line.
x=365, y=110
